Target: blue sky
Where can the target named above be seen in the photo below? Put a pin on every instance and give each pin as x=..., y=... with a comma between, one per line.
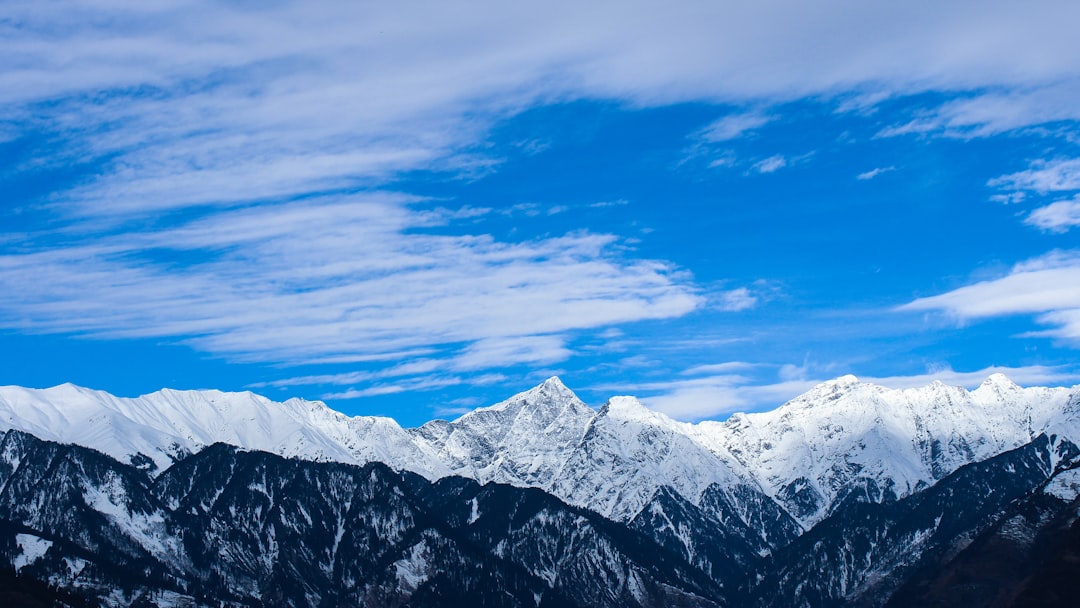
x=413, y=209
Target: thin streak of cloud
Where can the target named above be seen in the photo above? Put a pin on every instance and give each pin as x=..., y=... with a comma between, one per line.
x=1030, y=375
x=737, y=300
x=871, y=174
x=770, y=165
x=1057, y=217
x=1043, y=176
x=203, y=103
x=425, y=383
x=337, y=278
x=989, y=113
x=733, y=126
x=1047, y=286
x=715, y=396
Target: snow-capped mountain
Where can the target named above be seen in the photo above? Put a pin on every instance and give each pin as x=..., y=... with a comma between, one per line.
x=242, y=529
x=156, y=430
x=843, y=438
x=522, y=441
x=852, y=494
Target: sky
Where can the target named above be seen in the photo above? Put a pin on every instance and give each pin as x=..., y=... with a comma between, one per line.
x=413, y=209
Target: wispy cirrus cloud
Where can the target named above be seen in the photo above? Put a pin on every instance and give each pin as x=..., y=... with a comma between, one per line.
x=871, y=174
x=733, y=126
x=340, y=277
x=1061, y=216
x=771, y=164
x=234, y=157
x=1047, y=286
x=210, y=103
x=985, y=113
x=1043, y=176
x=715, y=391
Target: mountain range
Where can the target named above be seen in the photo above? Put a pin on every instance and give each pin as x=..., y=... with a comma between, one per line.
x=851, y=494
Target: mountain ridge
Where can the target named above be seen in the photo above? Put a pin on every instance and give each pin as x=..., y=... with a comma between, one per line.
x=843, y=437
x=842, y=496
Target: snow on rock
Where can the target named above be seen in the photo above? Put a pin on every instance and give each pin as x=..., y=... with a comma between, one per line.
x=414, y=569
x=1065, y=485
x=627, y=452
x=164, y=426
x=522, y=441
x=32, y=548
x=843, y=439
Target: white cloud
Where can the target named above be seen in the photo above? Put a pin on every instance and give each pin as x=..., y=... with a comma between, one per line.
x=736, y=300
x=1056, y=217
x=743, y=298
x=1031, y=375
x=1043, y=176
x=207, y=103
x=1048, y=286
x=715, y=395
x=339, y=277
x=724, y=160
x=988, y=113
x=502, y=351
x=425, y=383
x=720, y=368
x=772, y=164
x=871, y=174
x=1010, y=198
x=733, y=126
x=225, y=114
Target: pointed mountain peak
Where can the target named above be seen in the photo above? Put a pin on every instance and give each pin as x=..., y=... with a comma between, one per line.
x=846, y=380
x=68, y=387
x=552, y=386
x=999, y=380
x=551, y=389
x=630, y=408
x=995, y=387
x=553, y=382
x=550, y=395
x=842, y=384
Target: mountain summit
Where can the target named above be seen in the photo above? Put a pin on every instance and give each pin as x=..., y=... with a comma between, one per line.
x=842, y=437
x=850, y=493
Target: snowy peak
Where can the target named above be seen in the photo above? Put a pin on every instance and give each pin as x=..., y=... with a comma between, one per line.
x=158, y=428
x=520, y=441
x=630, y=409
x=842, y=437
x=543, y=403
x=996, y=387
x=551, y=389
x=845, y=436
x=845, y=380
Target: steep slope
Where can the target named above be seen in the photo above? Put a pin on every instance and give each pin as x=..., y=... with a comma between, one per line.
x=522, y=441
x=863, y=552
x=627, y=452
x=769, y=475
x=155, y=430
x=612, y=461
x=840, y=497
x=1014, y=558
x=849, y=439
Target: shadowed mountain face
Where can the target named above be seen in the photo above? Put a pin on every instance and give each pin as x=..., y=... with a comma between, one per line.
x=257, y=529
x=226, y=527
